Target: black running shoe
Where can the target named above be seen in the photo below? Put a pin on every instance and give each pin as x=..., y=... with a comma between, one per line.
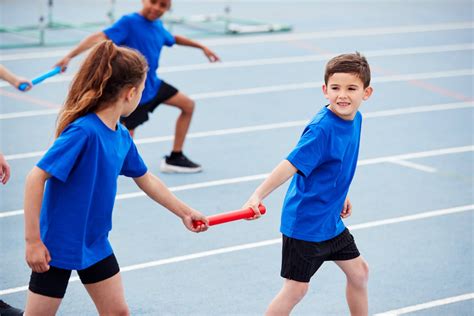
x=179, y=163
x=7, y=310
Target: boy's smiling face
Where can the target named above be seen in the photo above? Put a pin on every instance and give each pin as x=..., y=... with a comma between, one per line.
x=345, y=92
x=154, y=9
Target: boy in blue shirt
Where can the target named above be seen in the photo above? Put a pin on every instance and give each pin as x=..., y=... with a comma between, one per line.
x=322, y=166
x=144, y=32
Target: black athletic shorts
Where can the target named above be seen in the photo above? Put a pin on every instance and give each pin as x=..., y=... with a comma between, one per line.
x=301, y=259
x=140, y=115
x=53, y=283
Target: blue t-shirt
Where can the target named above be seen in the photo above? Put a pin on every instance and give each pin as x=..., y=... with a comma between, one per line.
x=84, y=163
x=326, y=159
x=148, y=37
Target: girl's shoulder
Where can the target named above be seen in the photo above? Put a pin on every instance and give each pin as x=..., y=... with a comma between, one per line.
x=87, y=124
x=84, y=121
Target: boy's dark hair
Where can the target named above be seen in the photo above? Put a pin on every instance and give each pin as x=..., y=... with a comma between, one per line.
x=349, y=63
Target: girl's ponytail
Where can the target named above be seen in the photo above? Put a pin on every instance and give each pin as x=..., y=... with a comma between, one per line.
x=100, y=79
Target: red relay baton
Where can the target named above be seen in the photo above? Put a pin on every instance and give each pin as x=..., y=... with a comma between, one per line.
x=231, y=216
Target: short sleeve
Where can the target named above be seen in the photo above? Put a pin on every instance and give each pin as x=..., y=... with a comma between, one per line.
x=61, y=158
x=133, y=165
x=169, y=38
x=118, y=31
x=309, y=152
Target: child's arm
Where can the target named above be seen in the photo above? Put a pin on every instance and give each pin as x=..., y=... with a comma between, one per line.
x=279, y=175
x=37, y=255
x=13, y=79
x=158, y=191
x=4, y=170
x=181, y=40
x=84, y=45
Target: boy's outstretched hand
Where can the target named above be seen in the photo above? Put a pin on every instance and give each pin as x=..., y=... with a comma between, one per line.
x=346, y=209
x=195, y=216
x=210, y=55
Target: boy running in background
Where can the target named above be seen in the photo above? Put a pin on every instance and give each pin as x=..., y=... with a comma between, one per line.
x=144, y=31
x=322, y=166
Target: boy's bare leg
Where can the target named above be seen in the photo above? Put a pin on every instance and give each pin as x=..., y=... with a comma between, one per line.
x=40, y=305
x=357, y=274
x=290, y=294
x=186, y=105
x=108, y=296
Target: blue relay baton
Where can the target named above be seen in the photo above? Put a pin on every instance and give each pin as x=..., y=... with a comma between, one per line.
x=39, y=79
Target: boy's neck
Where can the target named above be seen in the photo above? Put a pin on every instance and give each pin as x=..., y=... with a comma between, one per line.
x=142, y=14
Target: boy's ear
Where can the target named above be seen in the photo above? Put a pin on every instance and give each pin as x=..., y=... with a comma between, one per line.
x=367, y=93
x=325, y=91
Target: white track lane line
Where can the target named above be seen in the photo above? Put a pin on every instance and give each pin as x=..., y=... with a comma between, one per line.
x=277, y=88
x=207, y=184
x=293, y=59
x=273, y=38
x=419, y=307
x=264, y=243
x=274, y=126
x=413, y=165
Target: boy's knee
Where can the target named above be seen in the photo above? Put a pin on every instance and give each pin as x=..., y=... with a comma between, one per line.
x=361, y=277
x=189, y=106
x=302, y=292
x=124, y=311
x=297, y=290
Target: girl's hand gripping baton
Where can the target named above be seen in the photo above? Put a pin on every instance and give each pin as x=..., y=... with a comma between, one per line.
x=231, y=216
